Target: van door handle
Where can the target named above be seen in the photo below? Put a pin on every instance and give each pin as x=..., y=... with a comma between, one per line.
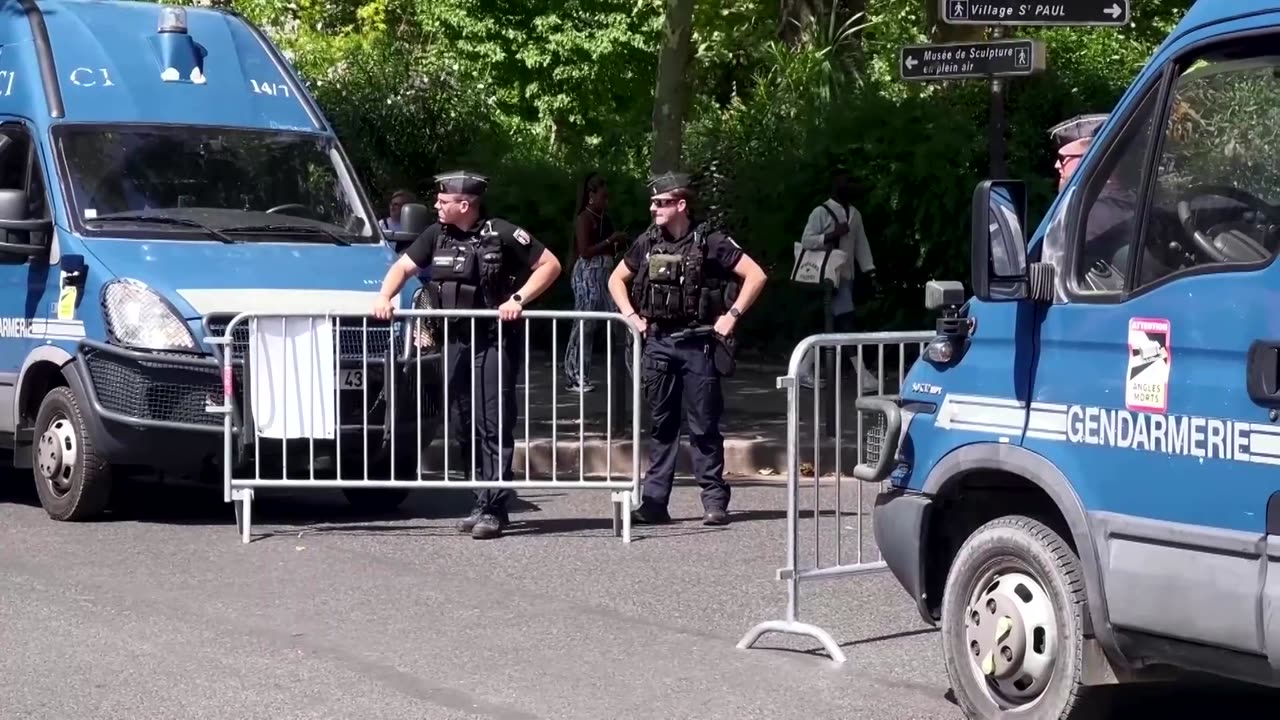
x=1262, y=372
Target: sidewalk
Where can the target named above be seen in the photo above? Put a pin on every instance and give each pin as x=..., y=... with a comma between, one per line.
x=753, y=423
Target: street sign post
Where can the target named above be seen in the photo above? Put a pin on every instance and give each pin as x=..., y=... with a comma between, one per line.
x=1035, y=12
x=991, y=59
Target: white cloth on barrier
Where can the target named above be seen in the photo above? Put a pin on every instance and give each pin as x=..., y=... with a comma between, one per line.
x=291, y=371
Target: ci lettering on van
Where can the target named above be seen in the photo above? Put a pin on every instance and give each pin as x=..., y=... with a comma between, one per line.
x=1150, y=357
x=90, y=77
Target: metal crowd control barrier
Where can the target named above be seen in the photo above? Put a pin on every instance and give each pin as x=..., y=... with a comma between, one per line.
x=908, y=346
x=347, y=392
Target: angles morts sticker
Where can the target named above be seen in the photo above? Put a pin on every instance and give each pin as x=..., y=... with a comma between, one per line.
x=1150, y=357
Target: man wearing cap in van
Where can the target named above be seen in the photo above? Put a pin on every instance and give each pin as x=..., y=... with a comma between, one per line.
x=1073, y=138
x=1109, y=226
x=478, y=262
x=686, y=273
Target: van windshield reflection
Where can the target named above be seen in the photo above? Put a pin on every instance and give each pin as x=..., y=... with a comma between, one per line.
x=275, y=182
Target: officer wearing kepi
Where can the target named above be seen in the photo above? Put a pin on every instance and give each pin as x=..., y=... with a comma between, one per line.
x=686, y=276
x=477, y=262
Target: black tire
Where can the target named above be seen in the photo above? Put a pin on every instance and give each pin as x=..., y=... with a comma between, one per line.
x=74, y=491
x=375, y=500
x=980, y=582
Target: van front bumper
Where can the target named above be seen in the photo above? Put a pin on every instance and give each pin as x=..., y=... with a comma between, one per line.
x=153, y=409
x=900, y=523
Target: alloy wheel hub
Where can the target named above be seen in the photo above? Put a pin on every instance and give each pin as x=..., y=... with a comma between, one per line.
x=1011, y=632
x=57, y=454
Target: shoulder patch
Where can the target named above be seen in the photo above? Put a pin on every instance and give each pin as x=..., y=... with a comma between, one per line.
x=521, y=236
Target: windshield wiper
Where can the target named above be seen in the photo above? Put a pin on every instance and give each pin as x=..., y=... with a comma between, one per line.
x=288, y=227
x=163, y=220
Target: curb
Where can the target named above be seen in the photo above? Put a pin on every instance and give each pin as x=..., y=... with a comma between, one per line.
x=756, y=457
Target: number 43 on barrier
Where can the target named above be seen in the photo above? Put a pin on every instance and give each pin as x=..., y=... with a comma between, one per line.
x=352, y=380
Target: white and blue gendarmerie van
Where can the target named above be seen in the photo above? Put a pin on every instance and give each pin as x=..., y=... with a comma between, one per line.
x=162, y=170
x=1081, y=478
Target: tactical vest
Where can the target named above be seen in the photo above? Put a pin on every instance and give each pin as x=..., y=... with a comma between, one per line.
x=467, y=273
x=672, y=287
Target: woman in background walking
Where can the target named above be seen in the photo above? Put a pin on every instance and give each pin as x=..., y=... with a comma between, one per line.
x=594, y=246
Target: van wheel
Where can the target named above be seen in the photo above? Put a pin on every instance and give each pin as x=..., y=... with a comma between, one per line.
x=73, y=481
x=1012, y=620
x=375, y=500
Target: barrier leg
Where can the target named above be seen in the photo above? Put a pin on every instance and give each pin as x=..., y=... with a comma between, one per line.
x=622, y=515
x=792, y=625
x=794, y=628
x=244, y=512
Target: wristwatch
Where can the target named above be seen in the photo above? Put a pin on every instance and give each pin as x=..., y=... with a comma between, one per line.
x=517, y=298
x=735, y=312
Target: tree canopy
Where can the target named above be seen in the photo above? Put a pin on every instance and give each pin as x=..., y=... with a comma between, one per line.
x=774, y=93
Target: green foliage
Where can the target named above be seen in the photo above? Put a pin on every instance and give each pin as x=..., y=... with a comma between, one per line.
x=536, y=92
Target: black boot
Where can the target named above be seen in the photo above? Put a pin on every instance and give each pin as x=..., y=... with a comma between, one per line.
x=650, y=515
x=466, y=524
x=488, y=526
x=715, y=517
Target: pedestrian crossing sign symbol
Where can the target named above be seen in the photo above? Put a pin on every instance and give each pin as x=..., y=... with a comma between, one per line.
x=1147, y=381
x=959, y=9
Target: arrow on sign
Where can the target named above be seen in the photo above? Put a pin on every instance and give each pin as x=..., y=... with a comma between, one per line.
x=1114, y=11
x=911, y=63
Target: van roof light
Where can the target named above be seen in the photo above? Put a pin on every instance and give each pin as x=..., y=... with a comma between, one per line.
x=172, y=19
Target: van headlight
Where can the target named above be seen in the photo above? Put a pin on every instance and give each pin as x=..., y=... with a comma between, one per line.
x=138, y=317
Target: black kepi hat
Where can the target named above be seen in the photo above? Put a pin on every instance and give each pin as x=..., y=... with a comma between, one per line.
x=1077, y=128
x=667, y=182
x=461, y=182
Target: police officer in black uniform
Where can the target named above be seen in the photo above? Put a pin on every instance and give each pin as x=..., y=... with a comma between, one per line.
x=687, y=276
x=478, y=262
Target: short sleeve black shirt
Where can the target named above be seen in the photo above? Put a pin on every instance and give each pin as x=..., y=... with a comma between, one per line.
x=723, y=253
x=520, y=250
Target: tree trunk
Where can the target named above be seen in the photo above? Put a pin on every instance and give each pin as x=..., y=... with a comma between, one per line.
x=796, y=15
x=670, y=97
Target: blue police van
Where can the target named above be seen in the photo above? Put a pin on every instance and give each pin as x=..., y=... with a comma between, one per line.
x=163, y=169
x=1081, y=476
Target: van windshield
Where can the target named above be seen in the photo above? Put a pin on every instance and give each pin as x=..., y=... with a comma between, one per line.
x=252, y=184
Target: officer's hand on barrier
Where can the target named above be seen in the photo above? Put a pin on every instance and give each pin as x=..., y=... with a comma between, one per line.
x=639, y=323
x=510, y=310
x=382, y=308
x=724, y=326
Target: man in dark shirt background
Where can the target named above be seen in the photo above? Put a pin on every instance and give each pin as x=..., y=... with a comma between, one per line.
x=682, y=371
x=527, y=269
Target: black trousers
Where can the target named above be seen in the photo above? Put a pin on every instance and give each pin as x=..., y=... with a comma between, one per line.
x=680, y=378
x=489, y=388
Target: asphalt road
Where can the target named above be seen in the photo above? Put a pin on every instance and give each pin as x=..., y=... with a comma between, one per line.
x=162, y=613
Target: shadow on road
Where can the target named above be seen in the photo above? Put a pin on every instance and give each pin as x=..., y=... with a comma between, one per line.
x=282, y=513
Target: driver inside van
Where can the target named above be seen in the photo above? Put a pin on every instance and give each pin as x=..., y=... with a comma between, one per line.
x=1108, y=228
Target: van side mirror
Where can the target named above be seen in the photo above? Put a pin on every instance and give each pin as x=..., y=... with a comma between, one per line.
x=414, y=218
x=998, y=255
x=13, y=220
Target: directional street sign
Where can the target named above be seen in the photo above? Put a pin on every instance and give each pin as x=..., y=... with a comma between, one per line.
x=1035, y=12
x=991, y=59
